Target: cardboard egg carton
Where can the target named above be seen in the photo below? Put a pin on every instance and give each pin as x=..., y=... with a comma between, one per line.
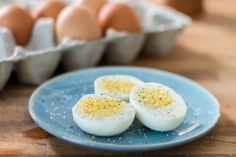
x=36, y=62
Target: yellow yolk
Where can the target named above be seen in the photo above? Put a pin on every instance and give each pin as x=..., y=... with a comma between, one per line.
x=154, y=98
x=116, y=85
x=99, y=107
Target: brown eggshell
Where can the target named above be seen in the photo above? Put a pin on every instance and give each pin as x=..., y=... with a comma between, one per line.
x=19, y=21
x=95, y=5
x=120, y=17
x=77, y=22
x=49, y=8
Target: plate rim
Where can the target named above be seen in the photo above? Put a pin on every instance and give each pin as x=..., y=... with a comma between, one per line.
x=125, y=147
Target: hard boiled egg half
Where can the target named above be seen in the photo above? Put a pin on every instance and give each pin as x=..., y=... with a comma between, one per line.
x=117, y=86
x=103, y=115
x=157, y=106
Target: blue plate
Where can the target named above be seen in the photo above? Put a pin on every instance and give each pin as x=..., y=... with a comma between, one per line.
x=50, y=107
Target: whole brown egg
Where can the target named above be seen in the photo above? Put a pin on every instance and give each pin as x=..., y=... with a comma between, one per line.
x=119, y=16
x=77, y=22
x=19, y=21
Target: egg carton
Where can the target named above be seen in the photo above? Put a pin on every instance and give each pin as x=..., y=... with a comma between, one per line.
x=36, y=62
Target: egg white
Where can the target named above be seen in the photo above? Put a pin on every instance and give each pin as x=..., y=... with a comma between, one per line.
x=104, y=126
x=159, y=119
x=123, y=96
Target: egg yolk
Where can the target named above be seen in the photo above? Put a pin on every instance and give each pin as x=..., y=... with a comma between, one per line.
x=116, y=85
x=154, y=98
x=99, y=107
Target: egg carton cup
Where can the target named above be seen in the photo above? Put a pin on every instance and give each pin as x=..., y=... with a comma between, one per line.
x=123, y=47
x=35, y=69
x=5, y=71
x=82, y=54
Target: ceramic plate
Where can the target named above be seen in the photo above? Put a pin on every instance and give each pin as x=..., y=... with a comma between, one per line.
x=50, y=107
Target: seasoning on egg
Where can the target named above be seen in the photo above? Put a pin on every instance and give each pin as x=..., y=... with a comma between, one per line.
x=116, y=85
x=102, y=115
x=49, y=9
x=155, y=98
x=95, y=5
x=77, y=22
x=99, y=107
x=119, y=16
